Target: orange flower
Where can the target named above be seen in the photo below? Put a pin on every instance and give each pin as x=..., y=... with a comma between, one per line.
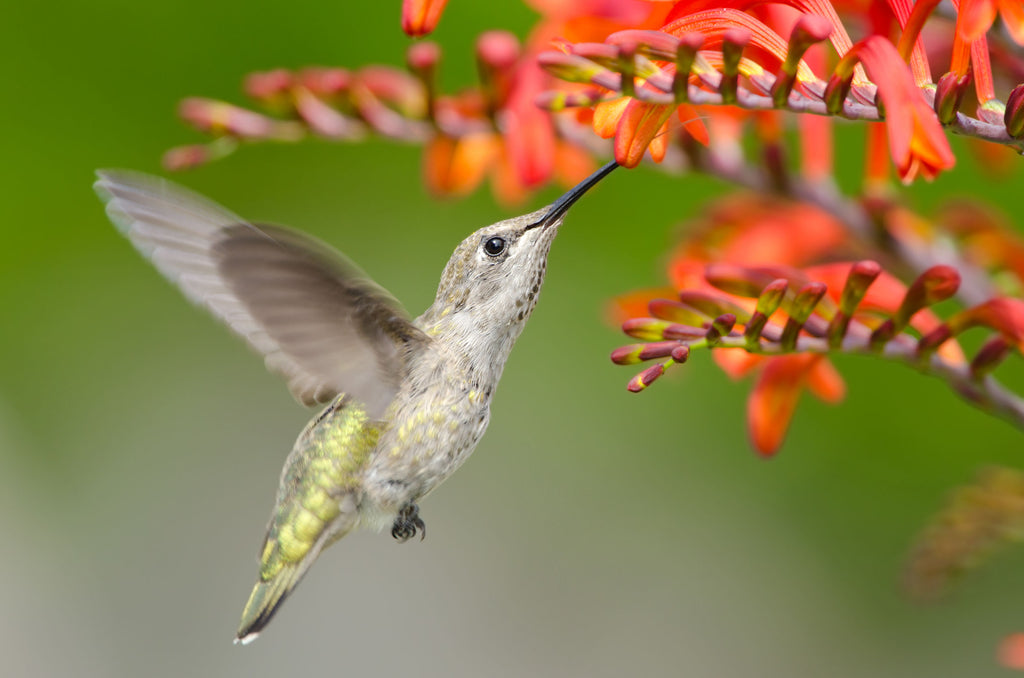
x=457, y=166
x=750, y=273
x=1003, y=314
x=756, y=230
x=420, y=17
x=639, y=127
x=776, y=393
x=839, y=37
x=593, y=20
x=917, y=143
x=975, y=18
x=759, y=231
x=498, y=131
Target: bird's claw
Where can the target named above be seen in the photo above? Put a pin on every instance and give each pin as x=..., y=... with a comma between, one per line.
x=408, y=523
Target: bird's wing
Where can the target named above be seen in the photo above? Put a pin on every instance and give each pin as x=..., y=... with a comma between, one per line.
x=318, y=320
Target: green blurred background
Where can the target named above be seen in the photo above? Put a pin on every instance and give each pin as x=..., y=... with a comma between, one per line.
x=594, y=533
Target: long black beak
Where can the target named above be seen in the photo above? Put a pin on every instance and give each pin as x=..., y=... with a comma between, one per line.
x=563, y=204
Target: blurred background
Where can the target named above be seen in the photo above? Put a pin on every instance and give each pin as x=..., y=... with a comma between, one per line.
x=594, y=532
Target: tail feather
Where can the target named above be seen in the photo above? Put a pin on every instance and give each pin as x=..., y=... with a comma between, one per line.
x=264, y=600
x=279, y=575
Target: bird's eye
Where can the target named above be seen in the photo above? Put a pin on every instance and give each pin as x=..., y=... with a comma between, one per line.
x=494, y=246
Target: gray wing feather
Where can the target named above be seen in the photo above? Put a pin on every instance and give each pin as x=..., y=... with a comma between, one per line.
x=317, y=319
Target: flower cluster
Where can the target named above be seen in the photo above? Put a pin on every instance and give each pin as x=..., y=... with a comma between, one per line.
x=785, y=274
x=685, y=79
x=657, y=76
x=760, y=276
x=771, y=57
x=492, y=130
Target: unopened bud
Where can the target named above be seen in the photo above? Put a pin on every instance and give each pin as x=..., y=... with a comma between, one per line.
x=645, y=378
x=1014, y=116
x=734, y=41
x=949, y=96
x=809, y=30
x=936, y=284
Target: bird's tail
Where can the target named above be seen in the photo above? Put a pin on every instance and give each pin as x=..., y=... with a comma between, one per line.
x=264, y=600
x=281, y=570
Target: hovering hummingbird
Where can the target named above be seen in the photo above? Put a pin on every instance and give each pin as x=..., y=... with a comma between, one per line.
x=407, y=400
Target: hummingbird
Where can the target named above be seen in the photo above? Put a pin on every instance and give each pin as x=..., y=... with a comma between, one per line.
x=406, y=400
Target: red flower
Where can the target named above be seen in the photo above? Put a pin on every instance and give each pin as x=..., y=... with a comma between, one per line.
x=776, y=393
x=1002, y=314
x=916, y=140
x=420, y=17
x=975, y=18
x=759, y=231
x=499, y=132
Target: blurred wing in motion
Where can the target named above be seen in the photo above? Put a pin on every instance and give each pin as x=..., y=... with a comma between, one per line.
x=318, y=320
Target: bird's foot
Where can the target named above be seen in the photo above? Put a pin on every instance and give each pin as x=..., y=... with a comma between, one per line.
x=408, y=523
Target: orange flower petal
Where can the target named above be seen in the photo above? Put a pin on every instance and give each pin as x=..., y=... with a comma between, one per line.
x=638, y=126
x=529, y=131
x=916, y=140
x=1003, y=314
x=572, y=164
x=974, y=18
x=825, y=382
x=457, y=166
x=773, y=401
x=659, y=144
x=420, y=17
x=607, y=115
x=780, y=232
x=839, y=38
x=693, y=124
x=530, y=144
x=1012, y=12
x=634, y=304
x=685, y=272
x=737, y=364
x=766, y=47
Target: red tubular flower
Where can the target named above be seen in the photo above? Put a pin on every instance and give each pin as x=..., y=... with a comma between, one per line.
x=816, y=144
x=755, y=231
x=714, y=24
x=839, y=37
x=457, y=166
x=750, y=288
x=420, y=17
x=916, y=140
x=975, y=18
x=773, y=400
x=782, y=379
x=592, y=20
x=638, y=126
x=529, y=134
x=498, y=131
x=1003, y=314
